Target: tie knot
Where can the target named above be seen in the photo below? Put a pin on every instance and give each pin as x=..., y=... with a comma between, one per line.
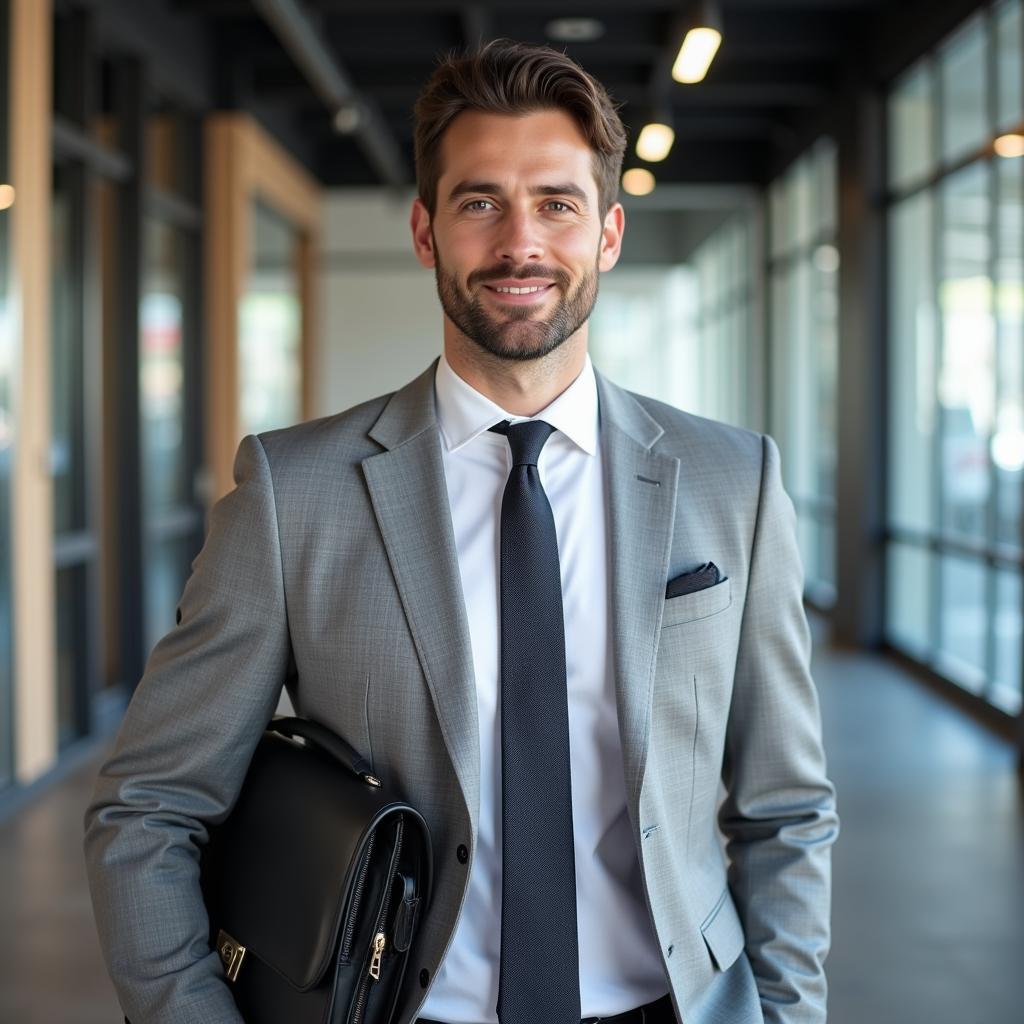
x=526, y=439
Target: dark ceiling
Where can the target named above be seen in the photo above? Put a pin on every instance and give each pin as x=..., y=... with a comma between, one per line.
x=777, y=79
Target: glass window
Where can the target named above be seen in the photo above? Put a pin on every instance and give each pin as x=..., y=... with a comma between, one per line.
x=1006, y=689
x=956, y=361
x=1007, y=447
x=655, y=309
x=270, y=328
x=912, y=127
x=967, y=367
x=162, y=369
x=1009, y=29
x=72, y=624
x=826, y=168
x=908, y=586
x=777, y=219
x=167, y=570
x=67, y=448
x=825, y=332
x=912, y=363
x=808, y=535
x=963, y=70
x=803, y=185
x=963, y=620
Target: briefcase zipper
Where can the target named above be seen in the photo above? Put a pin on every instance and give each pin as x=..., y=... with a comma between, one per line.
x=379, y=941
x=379, y=938
x=357, y=898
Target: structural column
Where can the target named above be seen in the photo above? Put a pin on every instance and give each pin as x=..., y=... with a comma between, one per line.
x=861, y=415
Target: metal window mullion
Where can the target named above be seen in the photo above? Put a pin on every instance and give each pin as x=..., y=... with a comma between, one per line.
x=994, y=194
x=194, y=432
x=85, y=372
x=129, y=106
x=938, y=348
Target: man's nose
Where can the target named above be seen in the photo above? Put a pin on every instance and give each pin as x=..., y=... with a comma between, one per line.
x=519, y=239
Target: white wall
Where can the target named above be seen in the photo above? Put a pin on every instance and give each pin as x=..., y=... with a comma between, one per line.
x=380, y=318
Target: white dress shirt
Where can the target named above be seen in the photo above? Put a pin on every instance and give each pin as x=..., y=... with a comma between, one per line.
x=620, y=965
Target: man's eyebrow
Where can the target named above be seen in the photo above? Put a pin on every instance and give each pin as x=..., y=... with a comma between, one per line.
x=491, y=188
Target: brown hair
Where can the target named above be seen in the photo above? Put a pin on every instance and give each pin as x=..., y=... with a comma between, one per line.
x=506, y=77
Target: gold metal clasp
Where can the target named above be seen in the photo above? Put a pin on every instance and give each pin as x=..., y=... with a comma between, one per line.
x=232, y=953
x=378, y=953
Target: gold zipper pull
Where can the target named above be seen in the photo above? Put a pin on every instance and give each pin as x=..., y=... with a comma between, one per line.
x=378, y=953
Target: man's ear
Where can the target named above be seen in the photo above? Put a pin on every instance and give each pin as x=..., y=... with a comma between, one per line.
x=611, y=237
x=422, y=237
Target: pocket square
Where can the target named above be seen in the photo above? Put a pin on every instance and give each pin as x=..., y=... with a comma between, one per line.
x=690, y=582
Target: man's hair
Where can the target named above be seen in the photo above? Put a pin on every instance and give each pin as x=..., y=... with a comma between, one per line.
x=505, y=77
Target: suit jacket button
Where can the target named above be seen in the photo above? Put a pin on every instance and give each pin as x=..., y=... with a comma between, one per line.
x=424, y=978
x=462, y=853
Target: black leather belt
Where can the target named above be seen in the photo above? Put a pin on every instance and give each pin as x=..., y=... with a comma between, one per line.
x=658, y=1012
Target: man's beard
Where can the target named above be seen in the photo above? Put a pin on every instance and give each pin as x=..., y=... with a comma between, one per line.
x=517, y=335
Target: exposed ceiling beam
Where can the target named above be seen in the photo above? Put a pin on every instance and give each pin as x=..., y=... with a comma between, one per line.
x=327, y=77
x=590, y=7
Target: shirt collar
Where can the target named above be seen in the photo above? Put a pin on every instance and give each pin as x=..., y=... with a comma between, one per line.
x=463, y=413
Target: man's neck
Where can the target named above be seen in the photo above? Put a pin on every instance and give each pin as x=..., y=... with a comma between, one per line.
x=520, y=387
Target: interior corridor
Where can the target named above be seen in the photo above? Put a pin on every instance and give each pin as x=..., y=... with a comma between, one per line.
x=929, y=894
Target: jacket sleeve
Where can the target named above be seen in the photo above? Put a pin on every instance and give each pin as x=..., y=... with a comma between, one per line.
x=209, y=689
x=779, y=816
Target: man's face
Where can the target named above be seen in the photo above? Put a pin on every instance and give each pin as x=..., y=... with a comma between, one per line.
x=517, y=241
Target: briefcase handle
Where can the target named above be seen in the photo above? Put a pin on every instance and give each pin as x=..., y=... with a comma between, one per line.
x=322, y=737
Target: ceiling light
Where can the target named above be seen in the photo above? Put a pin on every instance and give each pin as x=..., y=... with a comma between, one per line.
x=700, y=44
x=6, y=196
x=655, y=141
x=574, y=30
x=696, y=54
x=1009, y=145
x=638, y=181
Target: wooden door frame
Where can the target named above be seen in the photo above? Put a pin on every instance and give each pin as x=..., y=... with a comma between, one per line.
x=244, y=163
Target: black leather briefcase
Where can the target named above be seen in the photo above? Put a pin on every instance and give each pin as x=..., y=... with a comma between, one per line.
x=315, y=883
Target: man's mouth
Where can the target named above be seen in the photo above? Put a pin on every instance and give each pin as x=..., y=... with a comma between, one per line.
x=519, y=294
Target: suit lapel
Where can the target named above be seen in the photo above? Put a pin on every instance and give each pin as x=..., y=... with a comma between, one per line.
x=410, y=500
x=641, y=510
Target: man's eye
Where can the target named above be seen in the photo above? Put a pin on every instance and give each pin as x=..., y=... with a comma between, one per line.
x=561, y=207
x=476, y=205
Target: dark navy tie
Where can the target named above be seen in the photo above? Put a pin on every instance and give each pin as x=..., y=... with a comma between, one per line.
x=539, y=974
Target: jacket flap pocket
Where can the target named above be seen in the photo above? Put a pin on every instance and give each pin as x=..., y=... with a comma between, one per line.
x=698, y=605
x=723, y=932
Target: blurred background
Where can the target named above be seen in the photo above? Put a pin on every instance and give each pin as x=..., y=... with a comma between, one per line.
x=203, y=233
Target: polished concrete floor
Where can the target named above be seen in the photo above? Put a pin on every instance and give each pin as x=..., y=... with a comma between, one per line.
x=929, y=871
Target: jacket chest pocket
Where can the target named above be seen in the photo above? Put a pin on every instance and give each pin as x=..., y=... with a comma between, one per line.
x=701, y=605
x=696, y=654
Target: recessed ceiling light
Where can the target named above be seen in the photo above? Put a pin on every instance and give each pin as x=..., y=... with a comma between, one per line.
x=638, y=181
x=574, y=30
x=655, y=141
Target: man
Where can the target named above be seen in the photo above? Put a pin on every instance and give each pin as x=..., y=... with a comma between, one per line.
x=556, y=616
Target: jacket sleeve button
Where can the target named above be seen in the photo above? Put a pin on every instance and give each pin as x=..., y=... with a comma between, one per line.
x=462, y=853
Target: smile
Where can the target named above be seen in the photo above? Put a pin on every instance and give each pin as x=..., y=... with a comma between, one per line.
x=519, y=295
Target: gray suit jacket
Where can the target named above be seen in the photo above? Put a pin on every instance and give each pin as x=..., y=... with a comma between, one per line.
x=331, y=569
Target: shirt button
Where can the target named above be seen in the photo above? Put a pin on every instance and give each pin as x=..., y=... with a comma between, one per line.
x=462, y=853
x=424, y=978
